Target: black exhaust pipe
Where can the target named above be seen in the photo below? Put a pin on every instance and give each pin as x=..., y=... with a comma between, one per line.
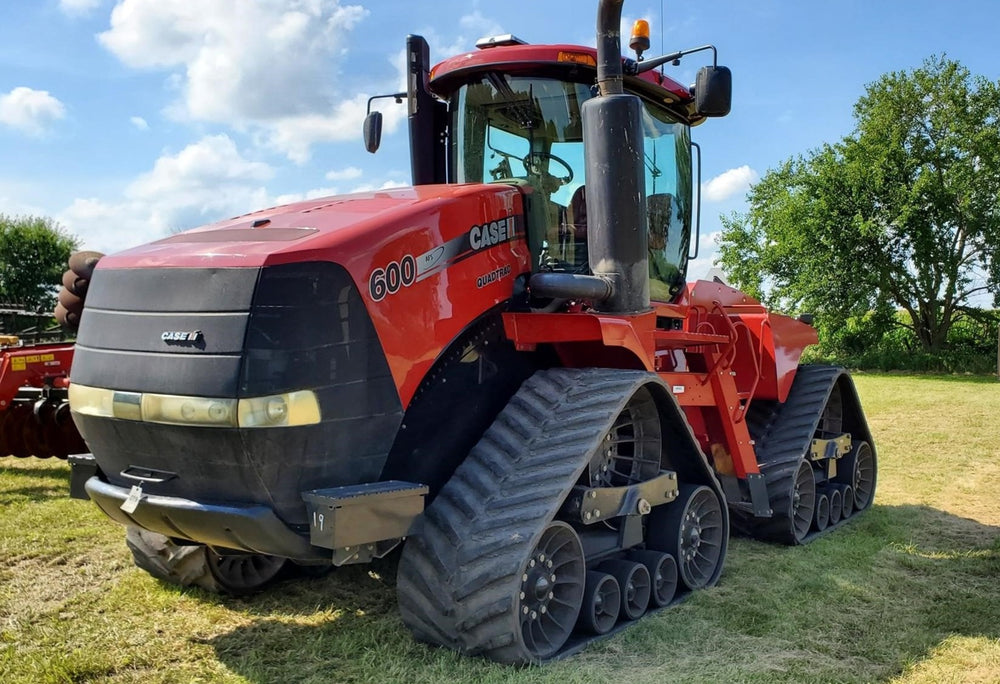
x=617, y=230
x=617, y=224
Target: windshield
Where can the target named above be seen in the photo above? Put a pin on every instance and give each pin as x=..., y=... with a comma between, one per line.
x=529, y=131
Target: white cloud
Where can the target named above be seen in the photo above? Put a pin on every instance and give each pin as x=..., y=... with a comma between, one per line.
x=350, y=173
x=79, y=6
x=139, y=123
x=730, y=183
x=30, y=111
x=387, y=185
x=206, y=181
x=268, y=65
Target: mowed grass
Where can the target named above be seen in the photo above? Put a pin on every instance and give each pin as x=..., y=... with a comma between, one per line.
x=909, y=592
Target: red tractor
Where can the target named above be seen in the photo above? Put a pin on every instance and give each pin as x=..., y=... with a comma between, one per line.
x=500, y=368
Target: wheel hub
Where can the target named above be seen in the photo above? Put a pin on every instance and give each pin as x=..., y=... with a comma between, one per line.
x=537, y=585
x=691, y=535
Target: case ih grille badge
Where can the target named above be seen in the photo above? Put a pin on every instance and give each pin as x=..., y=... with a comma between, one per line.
x=181, y=336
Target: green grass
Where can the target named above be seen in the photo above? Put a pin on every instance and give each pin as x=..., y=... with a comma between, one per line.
x=906, y=593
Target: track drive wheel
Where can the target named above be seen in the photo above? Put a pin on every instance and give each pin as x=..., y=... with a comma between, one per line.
x=859, y=469
x=692, y=529
x=196, y=565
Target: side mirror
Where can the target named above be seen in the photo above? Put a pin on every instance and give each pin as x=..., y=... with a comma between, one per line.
x=373, y=131
x=713, y=91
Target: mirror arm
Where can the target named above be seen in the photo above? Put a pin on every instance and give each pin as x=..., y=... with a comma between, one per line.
x=633, y=68
x=399, y=97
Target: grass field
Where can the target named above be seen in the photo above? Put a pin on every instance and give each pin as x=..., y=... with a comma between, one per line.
x=909, y=592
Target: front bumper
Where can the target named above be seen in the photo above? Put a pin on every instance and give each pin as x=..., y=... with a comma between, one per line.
x=250, y=528
x=348, y=524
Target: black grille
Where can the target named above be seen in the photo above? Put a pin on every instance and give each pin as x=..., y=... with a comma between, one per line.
x=303, y=326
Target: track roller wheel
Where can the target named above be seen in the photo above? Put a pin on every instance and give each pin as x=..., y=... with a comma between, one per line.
x=552, y=587
x=662, y=573
x=602, y=602
x=847, y=500
x=196, y=565
x=692, y=529
x=822, y=518
x=634, y=581
x=836, y=505
x=859, y=469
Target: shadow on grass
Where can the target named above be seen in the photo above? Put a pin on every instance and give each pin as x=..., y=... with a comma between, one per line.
x=879, y=593
x=35, y=494
x=27, y=467
x=37, y=483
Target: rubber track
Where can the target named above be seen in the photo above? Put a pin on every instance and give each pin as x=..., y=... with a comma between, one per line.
x=460, y=570
x=783, y=434
x=185, y=566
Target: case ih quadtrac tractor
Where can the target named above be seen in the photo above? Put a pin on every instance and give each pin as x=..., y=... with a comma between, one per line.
x=500, y=368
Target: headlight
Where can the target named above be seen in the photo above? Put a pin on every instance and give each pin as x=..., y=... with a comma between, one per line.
x=163, y=408
x=294, y=408
x=91, y=401
x=279, y=410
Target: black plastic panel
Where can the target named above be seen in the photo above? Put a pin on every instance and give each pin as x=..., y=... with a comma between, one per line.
x=170, y=289
x=221, y=333
x=180, y=373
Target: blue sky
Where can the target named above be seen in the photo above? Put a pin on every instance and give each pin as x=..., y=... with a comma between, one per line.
x=128, y=119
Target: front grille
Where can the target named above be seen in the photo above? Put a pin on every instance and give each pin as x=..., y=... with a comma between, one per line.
x=299, y=326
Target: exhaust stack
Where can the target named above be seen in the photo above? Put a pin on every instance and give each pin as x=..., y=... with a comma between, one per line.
x=617, y=229
x=617, y=225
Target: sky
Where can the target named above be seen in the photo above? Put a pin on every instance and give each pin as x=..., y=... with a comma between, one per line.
x=128, y=120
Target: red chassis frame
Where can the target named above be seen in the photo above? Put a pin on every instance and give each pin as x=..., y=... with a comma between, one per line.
x=716, y=348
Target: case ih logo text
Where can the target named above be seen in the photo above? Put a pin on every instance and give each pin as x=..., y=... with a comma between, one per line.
x=492, y=233
x=169, y=336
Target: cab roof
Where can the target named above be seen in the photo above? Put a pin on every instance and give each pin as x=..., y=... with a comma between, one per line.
x=566, y=62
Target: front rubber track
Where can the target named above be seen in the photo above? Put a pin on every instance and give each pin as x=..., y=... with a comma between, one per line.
x=461, y=568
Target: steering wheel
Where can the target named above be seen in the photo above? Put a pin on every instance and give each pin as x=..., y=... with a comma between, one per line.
x=533, y=164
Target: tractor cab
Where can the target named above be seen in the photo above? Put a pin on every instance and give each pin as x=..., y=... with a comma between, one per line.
x=511, y=113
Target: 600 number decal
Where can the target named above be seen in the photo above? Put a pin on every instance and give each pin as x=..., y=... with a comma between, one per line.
x=391, y=279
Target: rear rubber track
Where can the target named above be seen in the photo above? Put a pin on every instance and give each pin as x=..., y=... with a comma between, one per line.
x=461, y=568
x=784, y=433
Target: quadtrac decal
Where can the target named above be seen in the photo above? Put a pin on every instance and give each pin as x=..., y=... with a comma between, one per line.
x=396, y=275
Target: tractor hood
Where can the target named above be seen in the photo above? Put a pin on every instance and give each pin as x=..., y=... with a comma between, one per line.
x=325, y=229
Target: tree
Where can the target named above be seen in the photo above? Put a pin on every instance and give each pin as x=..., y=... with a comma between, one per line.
x=33, y=255
x=904, y=213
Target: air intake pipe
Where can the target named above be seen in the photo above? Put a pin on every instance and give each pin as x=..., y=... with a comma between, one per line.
x=617, y=229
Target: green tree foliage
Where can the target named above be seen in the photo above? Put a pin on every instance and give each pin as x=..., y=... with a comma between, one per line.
x=33, y=255
x=902, y=214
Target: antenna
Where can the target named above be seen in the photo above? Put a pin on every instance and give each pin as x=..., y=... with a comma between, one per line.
x=663, y=22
